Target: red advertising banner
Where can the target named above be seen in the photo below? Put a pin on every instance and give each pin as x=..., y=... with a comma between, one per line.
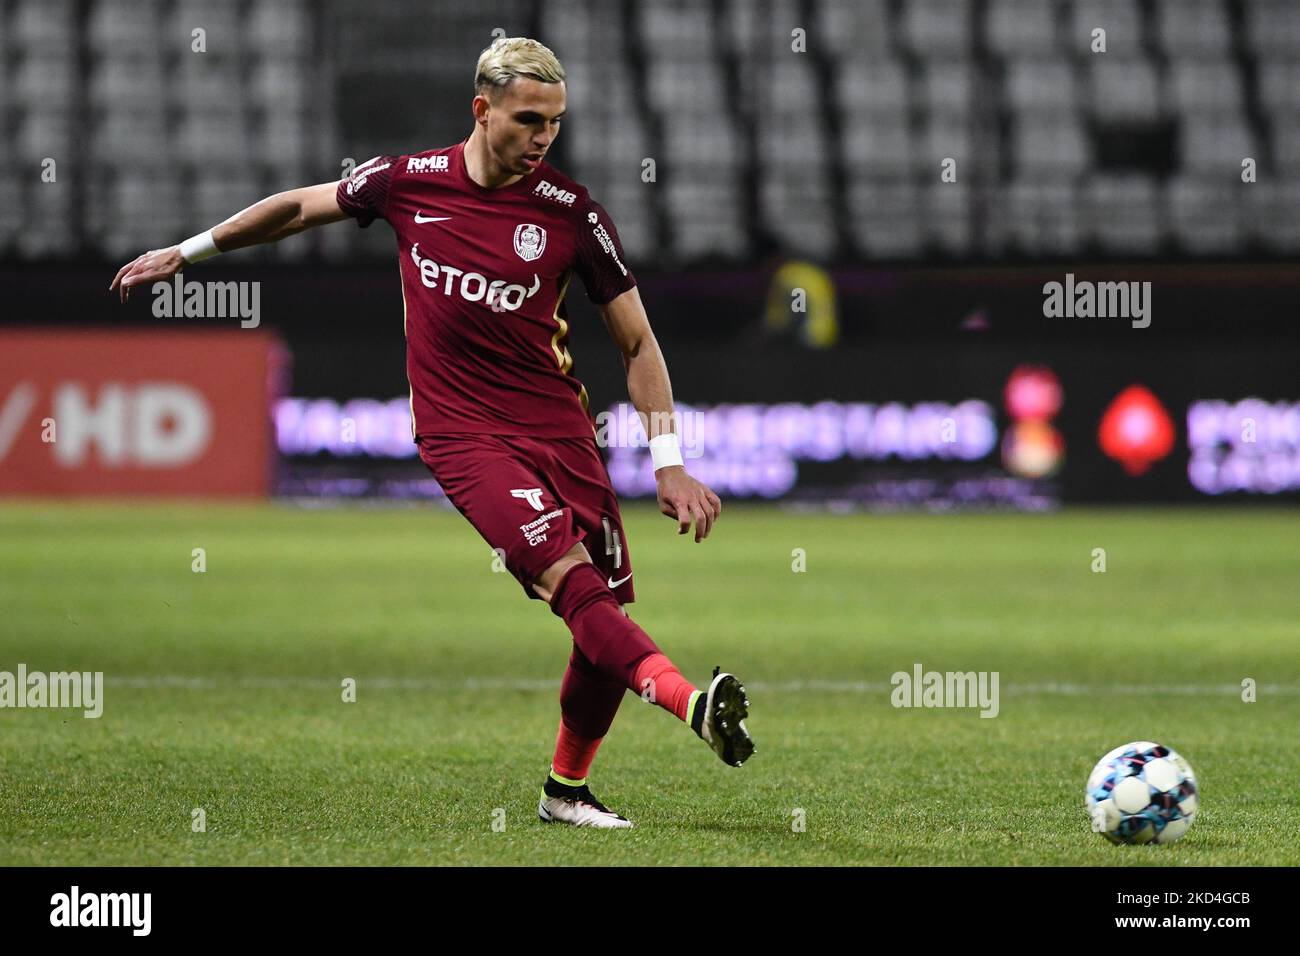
x=136, y=412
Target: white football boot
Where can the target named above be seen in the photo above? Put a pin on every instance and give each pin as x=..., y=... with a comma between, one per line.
x=577, y=807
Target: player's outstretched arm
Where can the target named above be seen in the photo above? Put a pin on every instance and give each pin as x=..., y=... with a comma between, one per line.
x=680, y=496
x=269, y=220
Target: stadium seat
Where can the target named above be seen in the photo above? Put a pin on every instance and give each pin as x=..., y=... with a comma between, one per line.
x=1204, y=86
x=1279, y=87
x=1272, y=215
x=1273, y=28
x=205, y=140
x=1124, y=214
x=676, y=30
x=11, y=212
x=222, y=192
x=602, y=136
x=279, y=28
x=1119, y=18
x=873, y=89
x=1193, y=28
x=145, y=208
x=944, y=137
x=853, y=29
x=596, y=86
x=705, y=217
x=50, y=221
x=948, y=88
x=44, y=26
x=794, y=87
x=1203, y=214
x=877, y=148
x=1034, y=86
x=1286, y=146
x=755, y=32
x=208, y=86
x=1037, y=218
x=937, y=28
x=43, y=134
x=1054, y=148
x=885, y=219
x=125, y=26
x=47, y=83
x=280, y=86
x=690, y=87
x=282, y=141
x=713, y=141
x=1020, y=28
x=797, y=210
x=219, y=19
x=796, y=143
x=1123, y=90
x=123, y=138
x=946, y=217
x=132, y=81
x=1215, y=144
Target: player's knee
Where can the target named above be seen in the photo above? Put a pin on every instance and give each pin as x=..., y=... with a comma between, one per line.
x=574, y=556
x=551, y=577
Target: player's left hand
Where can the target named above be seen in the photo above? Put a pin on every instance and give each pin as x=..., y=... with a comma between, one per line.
x=687, y=500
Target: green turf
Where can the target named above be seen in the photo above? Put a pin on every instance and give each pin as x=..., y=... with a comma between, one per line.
x=224, y=687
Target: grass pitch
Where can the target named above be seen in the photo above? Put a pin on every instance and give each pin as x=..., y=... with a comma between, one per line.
x=223, y=688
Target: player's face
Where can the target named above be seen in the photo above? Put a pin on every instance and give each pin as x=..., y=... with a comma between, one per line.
x=523, y=123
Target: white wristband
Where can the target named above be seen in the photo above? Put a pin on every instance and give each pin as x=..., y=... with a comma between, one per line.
x=665, y=451
x=200, y=247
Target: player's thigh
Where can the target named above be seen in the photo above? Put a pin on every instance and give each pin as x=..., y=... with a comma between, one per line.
x=507, y=498
x=582, y=481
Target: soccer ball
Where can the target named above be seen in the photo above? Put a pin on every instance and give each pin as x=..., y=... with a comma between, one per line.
x=1141, y=793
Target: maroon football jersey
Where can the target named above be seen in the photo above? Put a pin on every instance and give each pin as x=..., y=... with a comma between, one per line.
x=484, y=275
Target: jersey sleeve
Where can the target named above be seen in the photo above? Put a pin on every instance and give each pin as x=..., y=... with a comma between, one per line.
x=364, y=194
x=599, y=257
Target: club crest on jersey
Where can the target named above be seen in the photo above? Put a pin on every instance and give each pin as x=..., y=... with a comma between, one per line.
x=530, y=240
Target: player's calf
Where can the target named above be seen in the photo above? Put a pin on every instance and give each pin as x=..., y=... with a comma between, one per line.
x=607, y=637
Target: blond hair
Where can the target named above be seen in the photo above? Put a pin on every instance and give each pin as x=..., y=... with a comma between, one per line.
x=509, y=57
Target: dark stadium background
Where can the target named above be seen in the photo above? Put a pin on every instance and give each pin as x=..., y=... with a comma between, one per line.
x=808, y=132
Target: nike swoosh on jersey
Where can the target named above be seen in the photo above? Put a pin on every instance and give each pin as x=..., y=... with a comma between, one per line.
x=613, y=584
x=419, y=218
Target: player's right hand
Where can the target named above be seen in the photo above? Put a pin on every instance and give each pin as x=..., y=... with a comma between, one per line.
x=154, y=266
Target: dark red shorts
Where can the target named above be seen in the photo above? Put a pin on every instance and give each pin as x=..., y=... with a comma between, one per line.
x=532, y=499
